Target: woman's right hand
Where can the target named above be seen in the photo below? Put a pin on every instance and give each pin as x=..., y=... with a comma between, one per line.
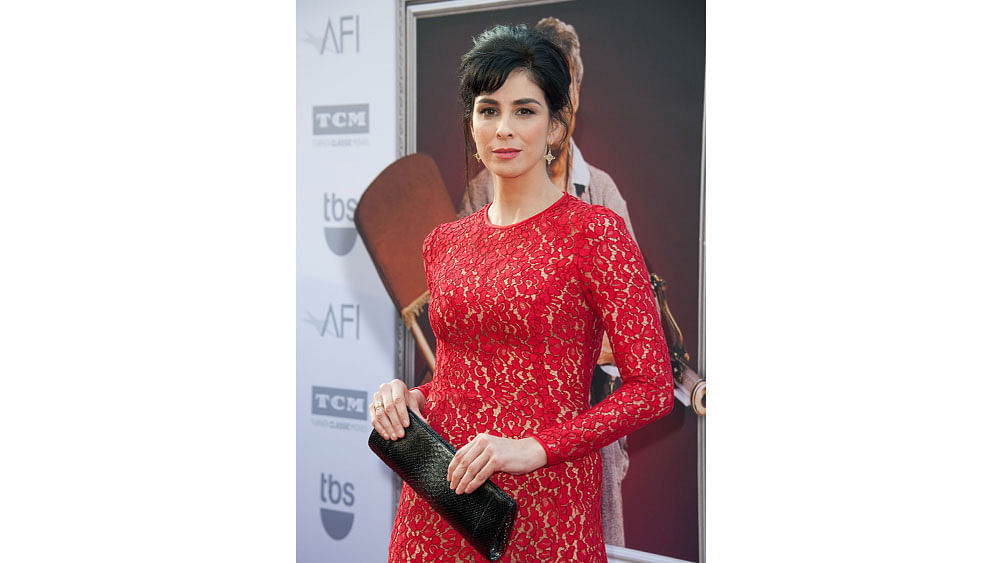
x=387, y=410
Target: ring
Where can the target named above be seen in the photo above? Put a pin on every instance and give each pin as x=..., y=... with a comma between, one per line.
x=377, y=404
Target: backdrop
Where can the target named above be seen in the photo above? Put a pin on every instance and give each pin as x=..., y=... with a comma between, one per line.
x=346, y=124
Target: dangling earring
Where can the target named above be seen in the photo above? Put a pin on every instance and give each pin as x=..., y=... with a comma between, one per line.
x=475, y=155
x=548, y=156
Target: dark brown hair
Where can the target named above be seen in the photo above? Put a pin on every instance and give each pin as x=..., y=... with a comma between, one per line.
x=496, y=53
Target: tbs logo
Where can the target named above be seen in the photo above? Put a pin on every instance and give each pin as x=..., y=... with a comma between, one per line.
x=339, y=216
x=340, y=120
x=337, y=523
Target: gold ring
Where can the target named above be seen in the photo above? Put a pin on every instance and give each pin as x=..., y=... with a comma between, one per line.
x=377, y=404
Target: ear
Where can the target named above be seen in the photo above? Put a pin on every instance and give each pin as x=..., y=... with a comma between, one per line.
x=555, y=132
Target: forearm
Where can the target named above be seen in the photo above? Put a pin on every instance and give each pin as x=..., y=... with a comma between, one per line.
x=640, y=401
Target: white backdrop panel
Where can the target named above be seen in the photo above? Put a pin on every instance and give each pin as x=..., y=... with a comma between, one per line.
x=345, y=128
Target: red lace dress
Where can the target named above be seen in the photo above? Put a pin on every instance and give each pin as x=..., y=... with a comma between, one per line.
x=518, y=312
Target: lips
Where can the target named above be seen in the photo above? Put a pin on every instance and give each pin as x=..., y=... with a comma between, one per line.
x=506, y=153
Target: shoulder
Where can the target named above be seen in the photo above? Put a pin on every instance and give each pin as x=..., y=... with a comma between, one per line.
x=595, y=222
x=449, y=231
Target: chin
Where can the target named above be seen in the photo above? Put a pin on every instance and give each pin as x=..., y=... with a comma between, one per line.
x=507, y=171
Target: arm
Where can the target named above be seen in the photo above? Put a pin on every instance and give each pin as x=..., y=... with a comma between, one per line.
x=427, y=251
x=421, y=399
x=617, y=283
x=393, y=397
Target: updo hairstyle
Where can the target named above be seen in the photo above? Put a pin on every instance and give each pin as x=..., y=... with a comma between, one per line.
x=496, y=53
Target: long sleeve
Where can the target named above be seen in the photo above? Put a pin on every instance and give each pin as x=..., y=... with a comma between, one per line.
x=617, y=283
x=426, y=390
x=604, y=191
x=427, y=251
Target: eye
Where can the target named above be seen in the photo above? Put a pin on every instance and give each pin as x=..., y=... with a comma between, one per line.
x=525, y=111
x=488, y=112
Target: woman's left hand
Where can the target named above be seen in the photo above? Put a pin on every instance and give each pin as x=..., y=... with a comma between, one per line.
x=485, y=455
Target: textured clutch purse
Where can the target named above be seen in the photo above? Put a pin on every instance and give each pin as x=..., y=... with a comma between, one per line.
x=485, y=517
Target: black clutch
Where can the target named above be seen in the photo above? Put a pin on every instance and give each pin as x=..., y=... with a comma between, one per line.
x=484, y=517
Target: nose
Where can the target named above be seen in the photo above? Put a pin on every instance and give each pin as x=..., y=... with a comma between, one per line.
x=503, y=128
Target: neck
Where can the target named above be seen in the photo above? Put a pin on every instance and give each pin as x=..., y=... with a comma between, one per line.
x=516, y=199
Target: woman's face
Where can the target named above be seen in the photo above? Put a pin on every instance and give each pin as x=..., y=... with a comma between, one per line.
x=512, y=128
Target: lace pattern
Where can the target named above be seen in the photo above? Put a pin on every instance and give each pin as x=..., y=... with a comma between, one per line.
x=518, y=312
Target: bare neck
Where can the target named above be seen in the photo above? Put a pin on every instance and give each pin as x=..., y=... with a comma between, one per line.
x=517, y=199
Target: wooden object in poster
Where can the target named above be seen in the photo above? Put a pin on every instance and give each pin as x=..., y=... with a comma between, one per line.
x=394, y=215
x=689, y=387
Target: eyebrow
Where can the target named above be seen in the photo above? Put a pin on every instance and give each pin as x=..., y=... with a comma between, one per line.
x=520, y=102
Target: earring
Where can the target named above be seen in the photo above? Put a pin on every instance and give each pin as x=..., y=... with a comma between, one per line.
x=475, y=155
x=548, y=155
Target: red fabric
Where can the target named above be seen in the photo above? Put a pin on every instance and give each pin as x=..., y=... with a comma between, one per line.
x=518, y=312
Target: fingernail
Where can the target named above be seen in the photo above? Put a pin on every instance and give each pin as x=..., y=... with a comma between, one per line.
x=393, y=435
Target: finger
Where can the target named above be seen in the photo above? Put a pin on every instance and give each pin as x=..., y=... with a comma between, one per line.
x=485, y=473
x=480, y=464
x=460, y=463
x=386, y=412
x=383, y=430
x=400, y=397
x=383, y=423
x=376, y=418
x=392, y=412
x=455, y=460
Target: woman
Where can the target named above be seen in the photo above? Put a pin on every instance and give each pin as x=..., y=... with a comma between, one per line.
x=521, y=291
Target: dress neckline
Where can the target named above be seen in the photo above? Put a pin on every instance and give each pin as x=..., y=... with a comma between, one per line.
x=486, y=217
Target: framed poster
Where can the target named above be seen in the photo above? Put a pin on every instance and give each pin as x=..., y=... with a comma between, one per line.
x=640, y=122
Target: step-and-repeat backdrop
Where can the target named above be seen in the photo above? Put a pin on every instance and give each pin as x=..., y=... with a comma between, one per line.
x=346, y=134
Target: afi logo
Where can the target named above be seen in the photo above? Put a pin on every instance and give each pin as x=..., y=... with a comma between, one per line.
x=345, y=403
x=337, y=523
x=350, y=313
x=339, y=230
x=340, y=120
x=349, y=25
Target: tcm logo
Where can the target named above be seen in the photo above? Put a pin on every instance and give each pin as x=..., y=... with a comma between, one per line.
x=337, y=523
x=339, y=230
x=345, y=403
x=340, y=120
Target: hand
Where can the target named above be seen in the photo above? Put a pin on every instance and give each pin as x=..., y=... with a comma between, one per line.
x=607, y=357
x=485, y=455
x=390, y=416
